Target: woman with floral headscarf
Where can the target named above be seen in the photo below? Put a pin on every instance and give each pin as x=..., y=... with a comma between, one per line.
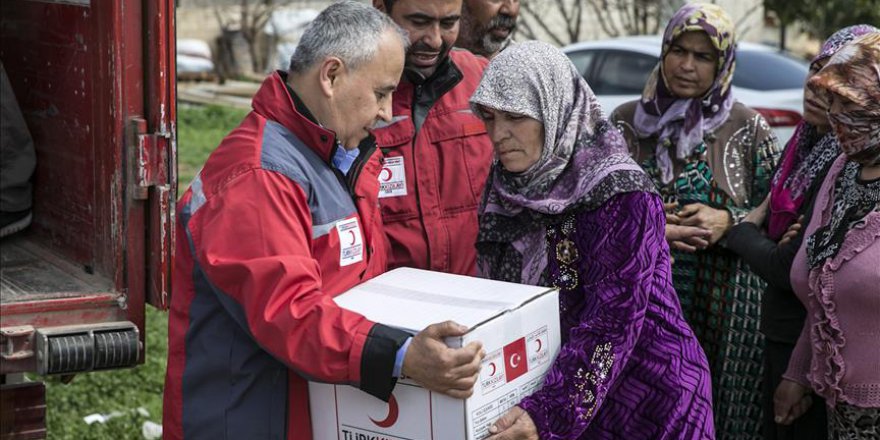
x=711, y=159
x=804, y=163
x=566, y=206
x=836, y=272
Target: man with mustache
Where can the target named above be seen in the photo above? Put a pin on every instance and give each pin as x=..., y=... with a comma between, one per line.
x=283, y=217
x=487, y=25
x=436, y=152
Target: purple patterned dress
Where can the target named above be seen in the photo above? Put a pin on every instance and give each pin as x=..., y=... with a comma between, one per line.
x=629, y=367
x=586, y=218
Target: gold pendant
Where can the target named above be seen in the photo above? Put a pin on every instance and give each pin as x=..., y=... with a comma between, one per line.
x=567, y=279
x=566, y=252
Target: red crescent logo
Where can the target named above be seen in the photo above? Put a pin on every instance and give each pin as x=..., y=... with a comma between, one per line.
x=494, y=368
x=540, y=345
x=385, y=174
x=393, y=412
x=353, y=237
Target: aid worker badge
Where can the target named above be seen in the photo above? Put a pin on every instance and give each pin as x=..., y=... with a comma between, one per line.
x=392, y=178
x=351, y=243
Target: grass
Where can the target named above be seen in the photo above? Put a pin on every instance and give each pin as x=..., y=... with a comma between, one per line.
x=200, y=129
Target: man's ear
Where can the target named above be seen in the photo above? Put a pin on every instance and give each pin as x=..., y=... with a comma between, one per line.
x=380, y=5
x=328, y=75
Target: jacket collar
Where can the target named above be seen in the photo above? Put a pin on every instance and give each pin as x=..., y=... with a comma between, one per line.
x=429, y=90
x=273, y=101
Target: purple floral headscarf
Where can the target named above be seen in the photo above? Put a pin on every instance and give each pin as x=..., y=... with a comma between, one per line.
x=680, y=122
x=841, y=38
x=584, y=159
x=807, y=154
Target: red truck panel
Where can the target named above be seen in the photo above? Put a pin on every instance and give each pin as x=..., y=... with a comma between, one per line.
x=95, y=80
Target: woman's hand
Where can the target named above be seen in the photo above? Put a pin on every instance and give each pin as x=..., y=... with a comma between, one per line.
x=790, y=401
x=792, y=231
x=759, y=214
x=687, y=238
x=671, y=217
x=718, y=221
x=515, y=424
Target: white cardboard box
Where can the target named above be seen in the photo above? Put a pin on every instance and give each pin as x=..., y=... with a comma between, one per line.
x=517, y=324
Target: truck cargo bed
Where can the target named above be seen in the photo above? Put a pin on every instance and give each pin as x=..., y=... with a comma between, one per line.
x=31, y=272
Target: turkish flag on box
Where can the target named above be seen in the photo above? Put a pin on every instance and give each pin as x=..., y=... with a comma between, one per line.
x=515, y=362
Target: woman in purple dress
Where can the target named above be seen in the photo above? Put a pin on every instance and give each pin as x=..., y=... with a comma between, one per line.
x=566, y=206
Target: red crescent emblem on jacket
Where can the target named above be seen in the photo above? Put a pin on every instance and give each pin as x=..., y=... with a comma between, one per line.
x=385, y=174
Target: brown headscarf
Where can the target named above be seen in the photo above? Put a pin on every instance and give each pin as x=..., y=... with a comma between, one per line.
x=854, y=73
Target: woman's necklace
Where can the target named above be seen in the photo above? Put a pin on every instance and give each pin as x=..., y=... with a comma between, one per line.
x=853, y=201
x=566, y=254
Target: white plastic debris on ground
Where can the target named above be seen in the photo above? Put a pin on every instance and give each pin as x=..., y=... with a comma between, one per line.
x=151, y=430
x=103, y=418
x=100, y=418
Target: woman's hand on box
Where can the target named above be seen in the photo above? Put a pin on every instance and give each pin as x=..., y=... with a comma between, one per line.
x=515, y=424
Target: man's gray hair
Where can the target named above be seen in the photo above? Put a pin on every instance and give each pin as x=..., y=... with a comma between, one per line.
x=348, y=30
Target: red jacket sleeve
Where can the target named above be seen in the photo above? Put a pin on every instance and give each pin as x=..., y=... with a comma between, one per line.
x=253, y=240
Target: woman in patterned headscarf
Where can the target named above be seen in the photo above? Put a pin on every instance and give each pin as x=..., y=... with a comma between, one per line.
x=711, y=159
x=837, y=269
x=804, y=163
x=566, y=206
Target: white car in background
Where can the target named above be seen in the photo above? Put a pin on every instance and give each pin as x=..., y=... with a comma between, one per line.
x=765, y=79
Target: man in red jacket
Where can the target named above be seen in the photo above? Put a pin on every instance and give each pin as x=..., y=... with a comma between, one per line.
x=282, y=218
x=436, y=152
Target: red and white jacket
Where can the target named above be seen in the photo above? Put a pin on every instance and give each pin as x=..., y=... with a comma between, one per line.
x=436, y=160
x=268, y=233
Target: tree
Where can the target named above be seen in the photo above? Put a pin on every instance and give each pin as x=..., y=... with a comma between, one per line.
x=251, y=19
x=821, y=18
x=255, y=14
x=567, y=21
x=786, y=12
x=245, y=19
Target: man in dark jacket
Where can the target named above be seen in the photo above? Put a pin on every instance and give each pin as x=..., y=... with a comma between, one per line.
x=436, y=152
x=282, y=218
